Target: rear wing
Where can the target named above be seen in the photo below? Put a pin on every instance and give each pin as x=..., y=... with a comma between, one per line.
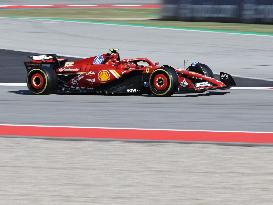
x=45, y=59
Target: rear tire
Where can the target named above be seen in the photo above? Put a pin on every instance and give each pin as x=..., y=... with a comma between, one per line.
x=42, y=81
x=202, y=69
x=163, y=82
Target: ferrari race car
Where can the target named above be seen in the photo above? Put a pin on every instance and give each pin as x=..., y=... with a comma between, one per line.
x=50, y=73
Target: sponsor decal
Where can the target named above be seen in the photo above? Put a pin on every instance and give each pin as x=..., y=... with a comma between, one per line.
x=93, y=80
x=76, y=80
x=91, y=73
x=98, y=60
x=202, y=84
x=42, y=57
x=184, y=83
x=132, y=90
x=68, y=64
x=72, y=69
x=64, y=69
x=224, y=76
x=115, y=73
x=104, y=76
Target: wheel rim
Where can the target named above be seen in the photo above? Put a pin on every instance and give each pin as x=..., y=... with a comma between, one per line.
x=160, y=82
x=37, y=81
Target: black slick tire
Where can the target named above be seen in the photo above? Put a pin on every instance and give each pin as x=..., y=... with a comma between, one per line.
x=163, y=82
x=202, y=69
x=42, y=81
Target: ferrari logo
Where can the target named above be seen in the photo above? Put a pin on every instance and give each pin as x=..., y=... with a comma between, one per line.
x=104, y=76
x=147, y=70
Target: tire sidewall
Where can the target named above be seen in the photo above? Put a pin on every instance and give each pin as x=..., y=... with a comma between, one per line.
x=50, y=79
x=171, y=77
x=207, y=71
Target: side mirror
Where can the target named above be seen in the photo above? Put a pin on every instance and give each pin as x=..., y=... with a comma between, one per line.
x=157, y=63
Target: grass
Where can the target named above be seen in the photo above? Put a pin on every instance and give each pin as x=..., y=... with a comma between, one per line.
x=211, y=26
x=146, y=17
x=82, y=13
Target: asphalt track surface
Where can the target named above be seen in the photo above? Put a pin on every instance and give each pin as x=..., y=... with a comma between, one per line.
x=12, y=65
x=214, y=110
x=243, y=55
x=12, y=68
x=94, y=172
x=248, y=110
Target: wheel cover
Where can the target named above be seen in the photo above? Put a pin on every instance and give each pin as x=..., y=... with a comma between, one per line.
x=37, y=81
x=160, y=82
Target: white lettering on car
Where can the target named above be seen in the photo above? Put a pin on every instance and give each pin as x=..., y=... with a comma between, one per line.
x=69, y=69
x=91, y=80
x=224, y=76
x=132, y=90
x=202, y=84
x=68, y=64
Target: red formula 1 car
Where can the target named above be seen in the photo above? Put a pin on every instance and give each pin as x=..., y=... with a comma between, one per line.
x=107, y=74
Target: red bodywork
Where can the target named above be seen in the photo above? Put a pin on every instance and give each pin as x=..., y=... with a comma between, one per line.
x=92, y=75
x=89, y=75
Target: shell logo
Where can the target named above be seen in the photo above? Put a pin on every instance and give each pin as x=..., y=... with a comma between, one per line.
x=104, y=76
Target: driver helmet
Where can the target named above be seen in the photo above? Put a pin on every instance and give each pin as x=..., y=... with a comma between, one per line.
x=114, y=55
x=113, y=50
x=194, y=63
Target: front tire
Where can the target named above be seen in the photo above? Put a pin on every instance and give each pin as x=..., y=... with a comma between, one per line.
x=163, y=82
x=202, y=69
x=42, y=81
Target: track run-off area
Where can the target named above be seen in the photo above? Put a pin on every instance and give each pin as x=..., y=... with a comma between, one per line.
x=56, y=170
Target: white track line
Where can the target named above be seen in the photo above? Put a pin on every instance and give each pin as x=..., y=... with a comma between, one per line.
x=81, y=5
x=4, y=6
x=13, y=84
x=251, y=88
x=36, y=5
x=132, y=128
x=126, y=5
